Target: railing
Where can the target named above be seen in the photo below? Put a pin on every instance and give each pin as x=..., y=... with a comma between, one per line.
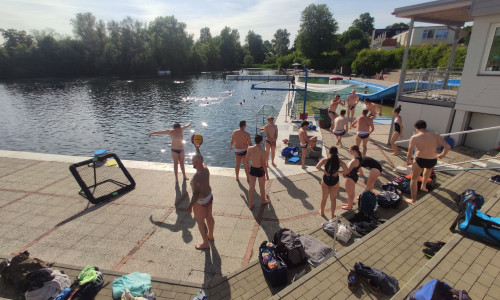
x=436, y=84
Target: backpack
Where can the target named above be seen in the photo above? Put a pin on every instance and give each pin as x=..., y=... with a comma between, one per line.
x=88, y=290
x=367, y=202
x=476, y=223
x=20, y=266
x=401, y=183
x=289, y=247
x=431, y=182
x=388, y=199
x=290, y=151
x=438, y=290
x=469, y=196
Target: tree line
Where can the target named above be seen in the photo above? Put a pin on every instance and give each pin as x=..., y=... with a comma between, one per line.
x=131, y=47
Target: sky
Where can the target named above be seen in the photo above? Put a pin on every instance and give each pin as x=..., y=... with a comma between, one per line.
x=264, y=17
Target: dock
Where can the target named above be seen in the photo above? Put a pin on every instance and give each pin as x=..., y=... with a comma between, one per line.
x=260, y=77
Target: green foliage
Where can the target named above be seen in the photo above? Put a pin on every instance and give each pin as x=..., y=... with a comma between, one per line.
x=281, y=42
x=398, y=25
x=317, y=31
x=255, y=46
x=365, y=23
x=248, y=60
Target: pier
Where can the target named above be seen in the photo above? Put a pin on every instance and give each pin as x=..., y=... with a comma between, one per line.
x=260, y=77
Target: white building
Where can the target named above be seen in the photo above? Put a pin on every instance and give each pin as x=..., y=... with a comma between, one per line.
x=430, y=35
x=477, y=102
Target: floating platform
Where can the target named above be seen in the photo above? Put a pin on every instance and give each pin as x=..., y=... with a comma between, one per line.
x=260, y=77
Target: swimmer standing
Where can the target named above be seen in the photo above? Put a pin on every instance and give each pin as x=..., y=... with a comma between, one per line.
x=332, y=110
x=425, y=157
x=352, y=101
x=341, y=127
x=271, y=132
x=177, y=147
x=306, y=142
x=365, y=129
x=258, y=168
x=241, y=140
x=372, y=108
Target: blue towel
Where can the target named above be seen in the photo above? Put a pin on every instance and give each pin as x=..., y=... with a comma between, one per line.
x=137, y=283
x=294, y=159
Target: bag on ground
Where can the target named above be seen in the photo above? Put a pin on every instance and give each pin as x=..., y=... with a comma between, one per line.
x=289, y=247
x=469, y=196
x=387, y=284
x=388, y=199
x=273, y=267
x=438, y=290
x=317, y=252
x=20, y=265
x=476, y=223
x=342, y=233
x=367, y=202
x=87, y=285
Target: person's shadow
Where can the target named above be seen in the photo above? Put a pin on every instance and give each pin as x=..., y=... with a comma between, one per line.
x=292, y=189
x=213, y=279
x=184, y=219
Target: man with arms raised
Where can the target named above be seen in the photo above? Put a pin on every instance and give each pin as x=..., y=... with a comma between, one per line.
x=332, y=110
x=364, y=130
x=425, y=157
x=241, y=140
x=352, y=101
x=271, y=132
x=201, y=201
x=305, y=141
x=258, y=169
x=177, y=147
x=372, y=108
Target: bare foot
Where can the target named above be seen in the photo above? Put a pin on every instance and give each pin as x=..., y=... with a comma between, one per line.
x=202, y=247
x=250, y=206
x=265, y=202
x=304, y=167
x=346, y=206
x=395, y=154
x=211, y=238
x=322, y=213
x=185, y=178
x=274, y=165
x=424, y=189
x=409, y=201
x=237, y=179
x=333, y=216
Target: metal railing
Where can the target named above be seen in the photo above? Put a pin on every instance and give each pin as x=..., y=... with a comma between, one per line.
x=433, y=84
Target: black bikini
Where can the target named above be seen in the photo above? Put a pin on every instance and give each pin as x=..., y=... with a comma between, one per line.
x=354, y=172
x=330, y=180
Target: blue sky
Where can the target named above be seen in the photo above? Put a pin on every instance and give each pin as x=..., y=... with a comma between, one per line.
x=264, y=17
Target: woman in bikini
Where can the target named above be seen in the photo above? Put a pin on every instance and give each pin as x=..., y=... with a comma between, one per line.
x=330, y=183
x=375, y=170
x=351, y=175
x=398, y=130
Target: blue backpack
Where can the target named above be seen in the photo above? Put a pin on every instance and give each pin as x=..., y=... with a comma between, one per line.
x=367, y=202
x=438, y=290
x=290, y=151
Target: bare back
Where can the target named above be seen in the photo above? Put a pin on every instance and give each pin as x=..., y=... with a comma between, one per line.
x=427, y=144
x=257, y=155
x=333, y=105
x=241, y=139
x=177, y=138
x=201, y=183
x=372, y=108
x=365, y=123
x=341, y=123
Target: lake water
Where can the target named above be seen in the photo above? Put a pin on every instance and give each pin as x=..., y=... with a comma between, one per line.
x=80, y=116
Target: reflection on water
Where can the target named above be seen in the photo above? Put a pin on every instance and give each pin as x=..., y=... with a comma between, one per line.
x=80, y=116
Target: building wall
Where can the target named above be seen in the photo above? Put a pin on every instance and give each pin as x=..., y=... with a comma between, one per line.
x=485, y=7
x=485, y=140
x=437, y=118
x=478, y=93
x=416, y=38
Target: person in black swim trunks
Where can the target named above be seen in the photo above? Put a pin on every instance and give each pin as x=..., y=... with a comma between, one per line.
x=351, y=175
x=352, y=101
x=425, y=156
x=271, y=132
x=341, y=126
x=332, y=109
x=258, y=168
x=241, y=140
x=375, y=170
x=330, y=183
x=398, y=129
x=177, y=146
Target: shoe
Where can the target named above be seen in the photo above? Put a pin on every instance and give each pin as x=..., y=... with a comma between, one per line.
x=428, y=252
x=495, y=179
x=431, y=245
x=352, y=279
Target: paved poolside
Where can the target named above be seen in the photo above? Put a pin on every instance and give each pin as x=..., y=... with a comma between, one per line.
x=148, y=230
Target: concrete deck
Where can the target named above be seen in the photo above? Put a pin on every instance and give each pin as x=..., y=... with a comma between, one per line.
x=148, y=229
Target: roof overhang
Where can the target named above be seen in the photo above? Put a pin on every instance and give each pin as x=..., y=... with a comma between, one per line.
x=446, y=12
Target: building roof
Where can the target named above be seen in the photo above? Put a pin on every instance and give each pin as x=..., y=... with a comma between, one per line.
x=447, y=12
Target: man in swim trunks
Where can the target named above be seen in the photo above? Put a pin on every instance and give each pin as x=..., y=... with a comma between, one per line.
x=425, y=157
x=340, y=126
x=305, y=141
x=241, y=140
x=258, y=168
x=365, y=129
x=372, y=108
x=177, y=147
x=271, y=132
x=201, y=201
x=352, y=101
x=332, y=110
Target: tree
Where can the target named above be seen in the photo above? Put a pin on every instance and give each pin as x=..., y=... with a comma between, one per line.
x=351, y=42
x=317, y=31
x=255, y=46
x=230, y=48
x=365, y=23
x=281, y=42
x=397, y=25
x=205, y=35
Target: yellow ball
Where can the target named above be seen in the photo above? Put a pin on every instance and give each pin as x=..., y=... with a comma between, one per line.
x=197, y=139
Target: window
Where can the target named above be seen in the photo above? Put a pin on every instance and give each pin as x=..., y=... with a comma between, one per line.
x=442, y=34
x=491, y=63
x=428, y=34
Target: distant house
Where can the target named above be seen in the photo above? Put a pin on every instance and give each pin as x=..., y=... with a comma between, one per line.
x=477, y=104
x=428, y=35
x=381, y=37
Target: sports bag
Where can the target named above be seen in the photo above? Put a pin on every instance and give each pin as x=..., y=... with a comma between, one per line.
x=289, y=247
x=20, y=265
x=438, y=290
x=388, y=199
x=469, y=196
x=401, y=183
x=290, y=151
x=367, y=202
x=476, y=223
x=276, y=276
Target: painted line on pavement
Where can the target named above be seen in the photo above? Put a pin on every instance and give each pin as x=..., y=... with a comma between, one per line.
x=143, y=240
x=23, y=168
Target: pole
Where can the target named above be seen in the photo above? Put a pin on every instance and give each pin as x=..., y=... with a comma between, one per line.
x=466, y=169
x=305, y=94
x=458, y=132
x=403, y=74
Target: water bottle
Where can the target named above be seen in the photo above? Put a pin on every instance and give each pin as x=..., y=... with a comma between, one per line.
x=201, y=296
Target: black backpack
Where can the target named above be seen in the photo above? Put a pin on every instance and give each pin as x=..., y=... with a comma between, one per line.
x=289, y=248
x=367, y=202
x=87, y=291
